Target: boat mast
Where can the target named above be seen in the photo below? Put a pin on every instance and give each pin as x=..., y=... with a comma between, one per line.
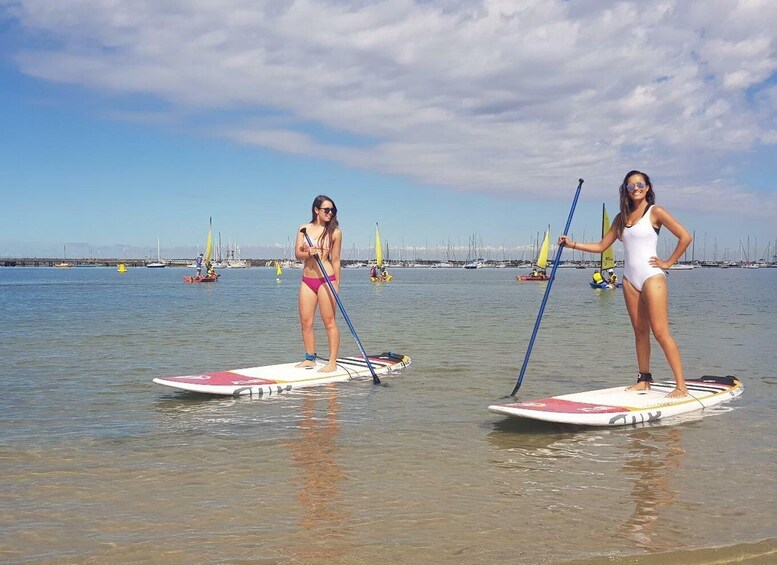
x=601, y=255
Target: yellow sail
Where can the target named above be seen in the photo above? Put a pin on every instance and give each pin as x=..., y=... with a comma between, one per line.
x=378, y=250
x=542, y=258
x=278, y=270
x=608, y=256
x=209, y=243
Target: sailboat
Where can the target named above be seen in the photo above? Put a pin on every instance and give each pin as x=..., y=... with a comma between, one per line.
x=235, y=262
x=220, y=263
x=538, y=274
x=158, y=264
x=478, y=262
x=278, y=271
x=64, y=264
x=378, y=273
x=606, y=259
x=210, y=274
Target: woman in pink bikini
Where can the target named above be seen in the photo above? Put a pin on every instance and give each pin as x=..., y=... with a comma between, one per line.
x=327, y=241
x=644, y=285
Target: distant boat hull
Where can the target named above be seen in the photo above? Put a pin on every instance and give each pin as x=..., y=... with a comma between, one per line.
x=201, y=279
x=156, y=265
x=532, y=278
x=605, y=285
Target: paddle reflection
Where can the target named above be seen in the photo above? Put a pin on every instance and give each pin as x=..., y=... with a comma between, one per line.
x=320, y=496
x=655, y=456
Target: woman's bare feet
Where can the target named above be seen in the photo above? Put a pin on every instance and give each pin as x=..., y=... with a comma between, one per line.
x=328, y=368
x=678, y=393
x=306, y=364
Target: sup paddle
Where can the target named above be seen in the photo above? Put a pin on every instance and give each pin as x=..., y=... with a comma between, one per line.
x=375, y=378
x=556, y=259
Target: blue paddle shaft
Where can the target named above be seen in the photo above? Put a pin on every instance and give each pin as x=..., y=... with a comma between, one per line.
x=556, y=259
x=375, y=378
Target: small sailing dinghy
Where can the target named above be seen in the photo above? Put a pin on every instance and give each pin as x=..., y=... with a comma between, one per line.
x=601, y=278
x=210, y=273
x=539, y=274
x=378, y=273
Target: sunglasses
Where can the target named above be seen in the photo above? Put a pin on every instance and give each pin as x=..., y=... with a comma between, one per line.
x=328, y=210
x=631, y=187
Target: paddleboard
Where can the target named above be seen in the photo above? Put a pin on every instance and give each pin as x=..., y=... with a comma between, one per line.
x=619, y=407
x=275, y=379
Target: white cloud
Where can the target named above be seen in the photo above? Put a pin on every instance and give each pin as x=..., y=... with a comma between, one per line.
x=498, y=95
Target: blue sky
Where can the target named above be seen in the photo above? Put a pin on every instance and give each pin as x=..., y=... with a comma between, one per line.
x=439, y=119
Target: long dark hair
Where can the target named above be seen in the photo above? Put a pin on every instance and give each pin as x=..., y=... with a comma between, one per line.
x=627, y=205
x=333, y=224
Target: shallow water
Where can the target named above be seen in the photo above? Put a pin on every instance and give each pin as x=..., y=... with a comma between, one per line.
x=101, y=465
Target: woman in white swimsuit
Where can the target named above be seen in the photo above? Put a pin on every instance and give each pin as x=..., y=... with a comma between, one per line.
x=644, y=286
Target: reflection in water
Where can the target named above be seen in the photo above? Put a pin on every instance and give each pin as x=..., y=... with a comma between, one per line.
x=655, y=456
x=530, y=438
x=315, y=454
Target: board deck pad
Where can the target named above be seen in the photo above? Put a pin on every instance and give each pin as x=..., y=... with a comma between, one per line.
x=619, y=407
x=275, y=379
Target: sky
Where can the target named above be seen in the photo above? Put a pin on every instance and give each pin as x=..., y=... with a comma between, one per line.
x=446, y=121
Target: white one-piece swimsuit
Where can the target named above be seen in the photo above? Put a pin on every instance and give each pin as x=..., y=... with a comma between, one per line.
x=640, y=243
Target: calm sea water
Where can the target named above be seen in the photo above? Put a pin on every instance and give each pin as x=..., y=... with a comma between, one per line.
x=100, y=465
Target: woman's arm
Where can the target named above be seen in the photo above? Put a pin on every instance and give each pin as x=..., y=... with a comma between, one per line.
x=664, y=218
x=301, y=249
x=605, y=243
x=337, y=244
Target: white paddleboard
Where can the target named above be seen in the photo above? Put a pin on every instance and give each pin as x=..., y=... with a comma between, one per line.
x=619, y=407
x=275, y=379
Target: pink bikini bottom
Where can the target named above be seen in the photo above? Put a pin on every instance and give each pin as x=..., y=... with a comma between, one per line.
x=315, y=283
